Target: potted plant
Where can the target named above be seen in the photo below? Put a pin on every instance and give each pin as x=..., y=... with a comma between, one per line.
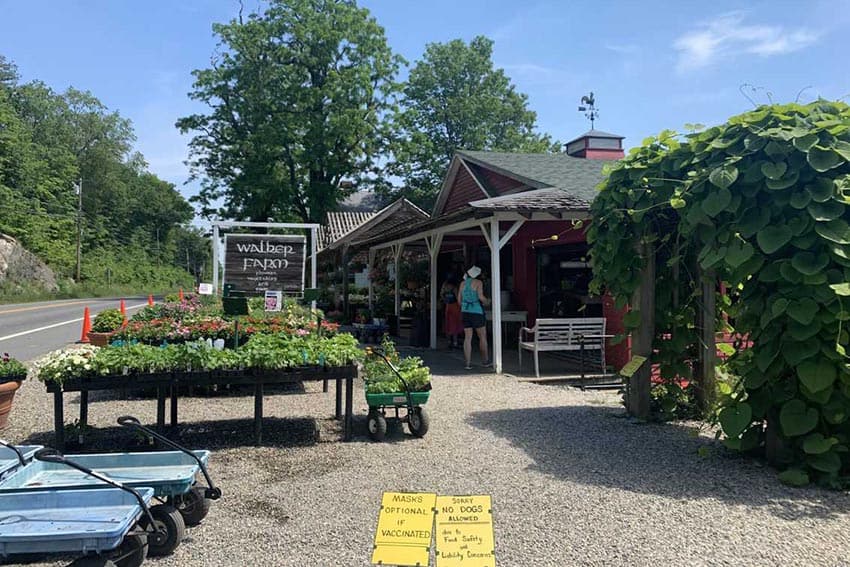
x=105, y=324
x=12, y=373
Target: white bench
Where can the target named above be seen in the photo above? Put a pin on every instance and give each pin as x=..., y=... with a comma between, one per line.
x=549, y=335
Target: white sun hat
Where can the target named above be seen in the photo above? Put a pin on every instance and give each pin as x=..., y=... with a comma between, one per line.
x=473, y=272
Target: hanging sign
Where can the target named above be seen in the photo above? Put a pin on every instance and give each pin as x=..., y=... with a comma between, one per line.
x=464, y=531
x=256, y=263
x=403, y=536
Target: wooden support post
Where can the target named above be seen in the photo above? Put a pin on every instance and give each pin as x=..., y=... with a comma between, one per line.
x=174, y=405
x=708, y=348
x=397, y=250
x=59, y=419
x=258, y=412
x=160, y=408
x=495, y=294
x=349, y=402
x=644, y=301
x=370, y=265
x=338, y=408
x=84, y=408
x=345, y=273
x=434, y=243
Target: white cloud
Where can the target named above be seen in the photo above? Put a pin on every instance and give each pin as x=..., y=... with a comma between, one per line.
x=727, y=35
x=622, y=48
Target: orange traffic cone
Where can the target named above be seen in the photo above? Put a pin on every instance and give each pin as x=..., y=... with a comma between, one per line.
x=180, y=295
x=150, y=300
x=123, y=309
x=84, y=338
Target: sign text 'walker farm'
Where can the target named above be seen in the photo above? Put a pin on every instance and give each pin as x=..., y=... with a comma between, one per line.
x=256, y=263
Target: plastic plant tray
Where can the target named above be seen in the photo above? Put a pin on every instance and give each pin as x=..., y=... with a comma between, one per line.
x=169, y=473
x=396, y=399
x=9, y=462
x=61, y=521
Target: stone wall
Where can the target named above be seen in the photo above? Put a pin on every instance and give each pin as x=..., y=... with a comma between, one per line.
x=20, y=267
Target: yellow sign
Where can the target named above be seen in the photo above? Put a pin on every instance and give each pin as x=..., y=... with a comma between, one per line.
x=404, y=529
x=632, y=366
x=464, y=531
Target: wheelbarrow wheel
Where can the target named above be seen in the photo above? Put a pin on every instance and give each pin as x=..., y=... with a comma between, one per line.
x=377, y=426
x=418, y=422
x=193, y=506
x=131, y=552
x=168, y=530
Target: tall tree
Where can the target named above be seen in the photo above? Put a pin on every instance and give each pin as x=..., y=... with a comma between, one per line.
x=456, y=99
x=298, y=96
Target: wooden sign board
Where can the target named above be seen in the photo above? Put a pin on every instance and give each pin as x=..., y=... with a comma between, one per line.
x=403, y=536
x=256, y=263
x=464, y=531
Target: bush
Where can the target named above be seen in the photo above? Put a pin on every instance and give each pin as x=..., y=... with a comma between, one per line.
x=107, y=321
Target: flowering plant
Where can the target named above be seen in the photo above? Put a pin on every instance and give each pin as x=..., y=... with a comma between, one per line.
x=60, y=365
x=11, y=368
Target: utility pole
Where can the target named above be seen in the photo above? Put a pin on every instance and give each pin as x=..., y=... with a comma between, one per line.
x=79, y=225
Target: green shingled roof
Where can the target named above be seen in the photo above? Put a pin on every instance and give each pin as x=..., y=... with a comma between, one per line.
x=576, y=176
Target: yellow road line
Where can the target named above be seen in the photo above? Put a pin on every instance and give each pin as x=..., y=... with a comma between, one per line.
x=20, y=309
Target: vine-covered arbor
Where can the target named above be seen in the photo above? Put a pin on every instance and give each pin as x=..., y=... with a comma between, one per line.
x=758, y=208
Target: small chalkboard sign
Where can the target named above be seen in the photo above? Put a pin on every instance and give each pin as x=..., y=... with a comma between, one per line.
x=235, y=306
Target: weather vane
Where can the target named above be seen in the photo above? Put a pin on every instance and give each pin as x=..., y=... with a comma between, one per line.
x=588, y=106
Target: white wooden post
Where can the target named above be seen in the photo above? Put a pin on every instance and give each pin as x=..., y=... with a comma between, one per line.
x=215, y=258
x=496, y=295
x=314, y=271
x=434, y=244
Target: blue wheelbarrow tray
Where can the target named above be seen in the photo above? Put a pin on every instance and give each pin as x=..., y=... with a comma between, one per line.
x=61, y=521
x=9, y=462
x=168, y=473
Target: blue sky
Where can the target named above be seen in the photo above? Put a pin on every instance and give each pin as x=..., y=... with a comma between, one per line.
x=652, y=64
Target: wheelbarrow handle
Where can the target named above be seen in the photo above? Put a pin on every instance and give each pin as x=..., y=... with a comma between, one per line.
x=50, y=455
x=17, y=451
x=213, y=492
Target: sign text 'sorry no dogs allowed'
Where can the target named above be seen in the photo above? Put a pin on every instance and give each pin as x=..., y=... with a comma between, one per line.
x=463, y=531
x=403, y=536
x=255, y=263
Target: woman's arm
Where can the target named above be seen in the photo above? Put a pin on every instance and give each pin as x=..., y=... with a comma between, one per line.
x=479, y=287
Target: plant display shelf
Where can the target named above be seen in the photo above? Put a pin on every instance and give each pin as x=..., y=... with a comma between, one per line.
x=168, y=384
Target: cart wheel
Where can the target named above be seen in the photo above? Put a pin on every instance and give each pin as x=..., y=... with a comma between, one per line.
x=165, y=518
x=193, y=506
x=131, y=552
x=377, y=426
x=92, y=561
x=418, y=422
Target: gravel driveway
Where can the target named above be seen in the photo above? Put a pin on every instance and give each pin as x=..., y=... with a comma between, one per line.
x=573, y=482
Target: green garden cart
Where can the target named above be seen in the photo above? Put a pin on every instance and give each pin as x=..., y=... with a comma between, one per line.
x=415, y=416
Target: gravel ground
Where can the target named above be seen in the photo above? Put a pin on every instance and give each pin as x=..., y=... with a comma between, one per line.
x=573, y=482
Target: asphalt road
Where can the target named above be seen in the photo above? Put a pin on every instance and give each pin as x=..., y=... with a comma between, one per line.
x=28, y=330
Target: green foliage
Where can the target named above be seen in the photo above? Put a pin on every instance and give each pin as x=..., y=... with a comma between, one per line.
x=456, y=99
x=11, y=368
x=107, y=321
x=380, y=378
x=131, y=221
x=762, y=202
x=299, y=97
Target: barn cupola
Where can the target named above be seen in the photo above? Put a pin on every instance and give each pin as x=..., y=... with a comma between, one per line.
x=594, y=144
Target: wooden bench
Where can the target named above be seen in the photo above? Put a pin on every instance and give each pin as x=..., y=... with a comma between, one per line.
x=549, y=335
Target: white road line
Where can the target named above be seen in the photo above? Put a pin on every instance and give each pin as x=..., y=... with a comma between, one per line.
x=46, y=327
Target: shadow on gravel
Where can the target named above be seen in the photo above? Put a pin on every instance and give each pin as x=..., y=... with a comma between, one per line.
x=218, y=434
x=597, y=446
x=196, y=392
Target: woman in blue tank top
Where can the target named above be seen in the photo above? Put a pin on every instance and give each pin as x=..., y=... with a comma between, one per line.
x=472, y=302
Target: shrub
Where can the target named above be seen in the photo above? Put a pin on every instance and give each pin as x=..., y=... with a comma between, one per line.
x=11, y=368
x=107, y=321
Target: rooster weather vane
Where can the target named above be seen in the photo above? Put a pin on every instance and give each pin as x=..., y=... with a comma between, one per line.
x=588, y=106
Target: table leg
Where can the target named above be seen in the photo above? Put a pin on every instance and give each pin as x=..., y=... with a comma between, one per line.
x=59, y=419
x=174, y=405
x=338, y=391
x=84, y=415
x=258, y=413
x=349, y=398
x=160, y=408
x=325, y=386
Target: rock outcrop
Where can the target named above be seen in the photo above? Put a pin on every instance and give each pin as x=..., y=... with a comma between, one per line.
x=20, y=267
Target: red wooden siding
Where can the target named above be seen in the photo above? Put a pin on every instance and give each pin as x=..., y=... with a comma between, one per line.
x=464, y=190
x=495, y=183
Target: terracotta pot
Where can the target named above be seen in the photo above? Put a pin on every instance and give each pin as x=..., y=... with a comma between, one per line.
x=7, y=394
x=100, y=339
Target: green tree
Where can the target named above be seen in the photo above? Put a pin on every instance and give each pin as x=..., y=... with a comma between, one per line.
x=298, y=99
x=456, y=99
